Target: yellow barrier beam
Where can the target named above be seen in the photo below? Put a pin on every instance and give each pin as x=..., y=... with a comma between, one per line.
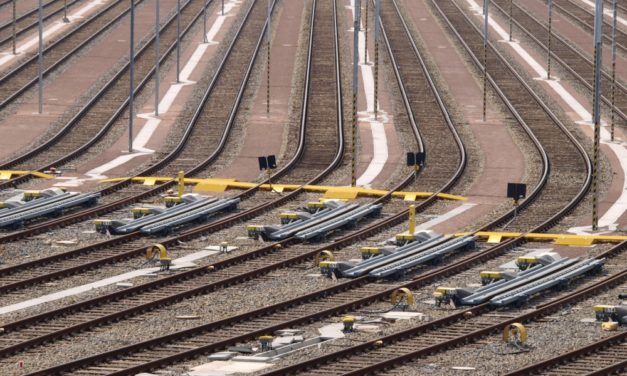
x=10, y=174
x=557, y=239
x=330, y=192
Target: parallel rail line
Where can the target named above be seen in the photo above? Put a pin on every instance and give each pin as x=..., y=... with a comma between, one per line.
x=567, y=168
x=605, y=357
x=23, y=77
x=585, y=18
x=94, y=120
x=190, y=339
x=28, y=21
x=221, y=101
x=384, y=353
x=317, y=41
x=573, y=61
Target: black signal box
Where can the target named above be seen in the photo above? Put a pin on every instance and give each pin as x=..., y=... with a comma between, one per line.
x=516, y=191
x=415, y=159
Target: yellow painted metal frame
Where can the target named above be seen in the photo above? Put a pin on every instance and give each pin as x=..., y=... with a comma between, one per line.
x=10, y=174
x=557, y=239
x=330, y=192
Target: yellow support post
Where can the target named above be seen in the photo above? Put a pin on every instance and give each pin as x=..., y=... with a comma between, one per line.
x=412, y=219
x=181, y=183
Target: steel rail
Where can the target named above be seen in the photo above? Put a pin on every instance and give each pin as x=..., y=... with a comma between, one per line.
x=459, y=171
x=457, y=318
x=134, y=236
x=520, y=118
x=28, y=67
x=125, y=254
x=560, y=43
x=94, y=102
x=116, y=242
x=30, y=17
x=112, y=189
x=583, y=353
x=585, y=18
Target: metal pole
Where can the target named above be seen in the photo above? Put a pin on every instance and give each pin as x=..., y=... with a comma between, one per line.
x=178, y=40
x=157, y=57
x=131, y=93
x=40, y=60
x=377, y=31
x=366, y=34
x=268, y=36
x=14, y=28
x=357, y=5
x=485, y=56
x=511, y=11
x=223, y=7
x=548, y=66
x=65, y=19
x=613, y=112
x=598, y=46
x=204, y=23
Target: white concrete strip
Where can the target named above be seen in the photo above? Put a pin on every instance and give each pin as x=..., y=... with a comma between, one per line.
x=609, y=218
x=607, y=10
x=148, y=129
x=379, y=138
x=444, y=217
x=183, y=262
x=51, y=29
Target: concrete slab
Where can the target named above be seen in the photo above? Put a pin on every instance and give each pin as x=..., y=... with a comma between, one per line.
x=286, y=340
x=219, y=368
x=398, y=315
x=178, y=263
x=223, y=356
x=367, y=328
x=332, y=331
x=289, y=332
x=250, y=359
x=216, y=248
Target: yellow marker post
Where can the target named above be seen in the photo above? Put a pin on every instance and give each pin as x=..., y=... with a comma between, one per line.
x=181, y=183
x=412, y=219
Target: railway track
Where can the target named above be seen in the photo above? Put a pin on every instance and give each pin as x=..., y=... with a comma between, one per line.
x=24, y=76
x=313, y=112
x=67, y=263
x=205, y=122
x=214, y=116
x=573, y=61
x=189, y=340
x=96, y=118
x=28, y=21
x=382, y=354
x=317, y=41
x=568, y=178
x=390, y=351
x=605, y=357
x=427, y=111
x=584, y=17
x=168, y=349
